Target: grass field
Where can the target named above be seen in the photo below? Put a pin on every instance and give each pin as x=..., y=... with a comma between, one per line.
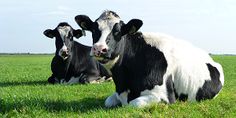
x=24, y=92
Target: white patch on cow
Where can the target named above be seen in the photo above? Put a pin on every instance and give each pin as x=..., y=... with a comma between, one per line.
x=123, y=97
x=64, y=31
x=64, y=48
x=144, y=101
x=74, y=80
x=62, y=81
x=112, y=100
x=186, y=63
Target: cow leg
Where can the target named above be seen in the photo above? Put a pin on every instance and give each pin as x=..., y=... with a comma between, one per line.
x=112, y=100
x=144, y=100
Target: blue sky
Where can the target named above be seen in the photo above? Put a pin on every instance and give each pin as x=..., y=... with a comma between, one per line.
x=208, y=24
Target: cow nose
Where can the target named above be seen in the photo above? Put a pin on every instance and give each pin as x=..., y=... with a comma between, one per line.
x=99, y=50
x=64, y=50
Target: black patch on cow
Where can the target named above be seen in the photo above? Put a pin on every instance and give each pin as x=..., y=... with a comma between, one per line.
x=140, y=66
x=114, y=14
x=170, y=89
x=96, y=33
x=52, y=79
x=58, y=67
x=132, y=95
x=183, y=97
x=211, y=87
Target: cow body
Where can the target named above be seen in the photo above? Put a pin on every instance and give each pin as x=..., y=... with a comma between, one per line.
x=155, y=67
x=151, y=67
x=74, y=65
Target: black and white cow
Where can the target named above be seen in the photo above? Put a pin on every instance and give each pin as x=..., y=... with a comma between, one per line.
x=72, y=62
x=150, y=67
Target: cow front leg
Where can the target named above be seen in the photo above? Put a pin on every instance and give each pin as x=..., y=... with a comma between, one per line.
x=53, y=80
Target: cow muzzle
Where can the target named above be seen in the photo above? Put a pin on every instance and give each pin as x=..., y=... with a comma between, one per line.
x=100, y=52
x=64, y=54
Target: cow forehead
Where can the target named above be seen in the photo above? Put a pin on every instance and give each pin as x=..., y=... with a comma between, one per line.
x=107, y=20
x=107, y=23
x=63, y=30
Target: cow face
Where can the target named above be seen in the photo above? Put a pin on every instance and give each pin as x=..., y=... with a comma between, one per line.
x=64, y=34
x=107, y=32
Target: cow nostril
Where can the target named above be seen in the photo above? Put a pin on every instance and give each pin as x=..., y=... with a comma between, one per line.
x=104, y=50
x=65, y=53
x=94, y=49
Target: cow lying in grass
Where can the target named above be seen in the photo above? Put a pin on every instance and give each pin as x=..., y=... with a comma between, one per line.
x=72, y=62
x=150, y=67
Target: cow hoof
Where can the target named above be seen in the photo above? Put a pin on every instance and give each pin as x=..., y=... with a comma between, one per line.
x=109, y=79
x=51, y=80
x=112, y=101
x=138, y=103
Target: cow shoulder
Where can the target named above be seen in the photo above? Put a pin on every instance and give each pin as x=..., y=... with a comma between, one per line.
x=143, y=66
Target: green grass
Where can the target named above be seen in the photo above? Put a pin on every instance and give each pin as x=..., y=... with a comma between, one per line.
x=24, y=92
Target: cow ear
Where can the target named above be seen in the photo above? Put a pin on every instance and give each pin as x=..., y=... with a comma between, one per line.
x=49, y=33
x=131, y=27
x=77, y=33
x=84, y=22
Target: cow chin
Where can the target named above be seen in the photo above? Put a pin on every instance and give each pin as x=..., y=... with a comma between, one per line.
x=64, y=58
x=108, y=62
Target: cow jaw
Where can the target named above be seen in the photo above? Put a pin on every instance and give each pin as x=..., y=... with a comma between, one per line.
x=110, y=63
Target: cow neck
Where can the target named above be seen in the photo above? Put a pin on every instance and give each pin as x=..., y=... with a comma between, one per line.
x=130, y=45
x=67, y=64
x=120, y=50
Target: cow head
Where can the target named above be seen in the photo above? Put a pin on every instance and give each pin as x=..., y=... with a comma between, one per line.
x=107, y=31
x=64, y=34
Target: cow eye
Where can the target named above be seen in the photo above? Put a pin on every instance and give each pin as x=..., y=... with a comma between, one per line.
x=116, y=29
x=69, y=35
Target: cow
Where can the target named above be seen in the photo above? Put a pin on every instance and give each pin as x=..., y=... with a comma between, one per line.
x=150, y=67
x=72, y=62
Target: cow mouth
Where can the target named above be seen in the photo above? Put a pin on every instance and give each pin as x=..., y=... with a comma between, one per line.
x=64, y=56
x=103, y=60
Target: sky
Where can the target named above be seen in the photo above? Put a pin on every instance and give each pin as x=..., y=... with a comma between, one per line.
x=207, y=24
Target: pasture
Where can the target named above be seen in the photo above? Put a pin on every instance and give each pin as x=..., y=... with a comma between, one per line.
x=24, y=92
